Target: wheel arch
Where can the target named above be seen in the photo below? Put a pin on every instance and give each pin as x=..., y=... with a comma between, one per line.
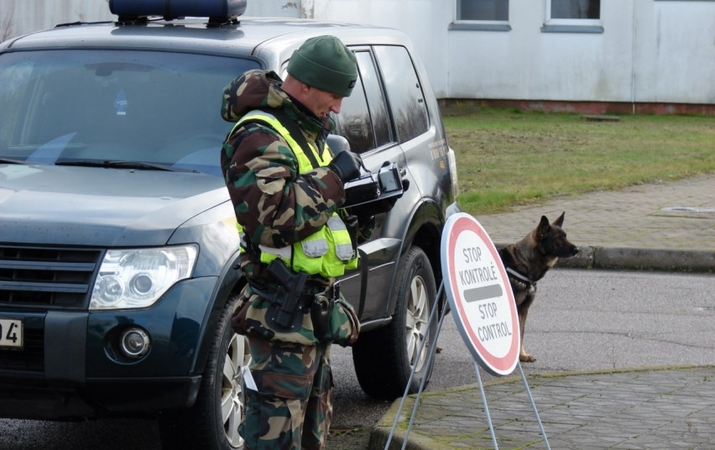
x=425, y=231
x=230, y=282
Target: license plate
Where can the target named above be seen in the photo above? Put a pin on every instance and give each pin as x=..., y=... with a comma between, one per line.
x=10, y=333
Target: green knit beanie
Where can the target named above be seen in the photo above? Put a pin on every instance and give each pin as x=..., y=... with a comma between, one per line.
x=325, y=63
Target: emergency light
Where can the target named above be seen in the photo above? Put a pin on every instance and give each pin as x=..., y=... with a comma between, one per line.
x=173, y=9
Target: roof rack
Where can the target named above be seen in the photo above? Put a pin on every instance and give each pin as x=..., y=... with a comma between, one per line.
x=219, y=12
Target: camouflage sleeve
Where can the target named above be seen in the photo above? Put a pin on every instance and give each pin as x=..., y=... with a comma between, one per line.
x=276, y=205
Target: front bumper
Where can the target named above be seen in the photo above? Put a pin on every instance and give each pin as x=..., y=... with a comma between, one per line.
x=71, y=366
x=108, y=398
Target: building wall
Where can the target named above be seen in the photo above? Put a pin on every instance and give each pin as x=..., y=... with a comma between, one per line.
x=675, y=51
x=425, y=21
x=24, y=16
x=526, y=63
x=650, y=51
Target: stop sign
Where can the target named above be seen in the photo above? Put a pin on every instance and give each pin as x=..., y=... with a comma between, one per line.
x=480, y=295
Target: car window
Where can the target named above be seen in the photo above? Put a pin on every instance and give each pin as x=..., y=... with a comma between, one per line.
x=353, y=122
x=404, y=91
x=158, y=107
x=363, y=119
x=376, y=99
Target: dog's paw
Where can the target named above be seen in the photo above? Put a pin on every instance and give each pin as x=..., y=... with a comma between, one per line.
x=525, y=357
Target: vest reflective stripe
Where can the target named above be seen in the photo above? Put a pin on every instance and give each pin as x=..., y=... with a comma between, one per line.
x=328, y=251
x=303, y=162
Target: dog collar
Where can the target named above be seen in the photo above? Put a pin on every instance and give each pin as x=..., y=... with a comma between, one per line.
x=519, y=276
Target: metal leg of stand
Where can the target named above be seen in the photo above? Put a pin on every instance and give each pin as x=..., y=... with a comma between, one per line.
x=409, y=381
x=533, y=405
x=486, y=407
x=432, y=352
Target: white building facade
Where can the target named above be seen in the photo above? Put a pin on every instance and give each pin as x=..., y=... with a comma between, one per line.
x=581, y=55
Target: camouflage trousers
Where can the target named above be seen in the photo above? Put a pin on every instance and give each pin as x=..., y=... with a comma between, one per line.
x=293, y=405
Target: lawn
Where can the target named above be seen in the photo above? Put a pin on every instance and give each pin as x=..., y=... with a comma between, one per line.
x=508, y=157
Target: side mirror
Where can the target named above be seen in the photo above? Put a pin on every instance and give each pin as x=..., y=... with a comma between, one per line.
x=337, y=143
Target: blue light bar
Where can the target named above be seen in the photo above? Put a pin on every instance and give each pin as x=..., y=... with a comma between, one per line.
x=172, y=9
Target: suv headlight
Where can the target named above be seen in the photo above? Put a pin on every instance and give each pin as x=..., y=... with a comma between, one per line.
x=137, y=278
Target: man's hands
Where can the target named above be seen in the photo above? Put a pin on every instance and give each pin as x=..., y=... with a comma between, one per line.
x=346, y=165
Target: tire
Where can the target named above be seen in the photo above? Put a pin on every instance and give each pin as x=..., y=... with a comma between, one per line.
x=384, y=358
x=212, y=423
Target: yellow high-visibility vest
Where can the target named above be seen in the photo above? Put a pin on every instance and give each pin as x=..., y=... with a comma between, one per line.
x=327, y=252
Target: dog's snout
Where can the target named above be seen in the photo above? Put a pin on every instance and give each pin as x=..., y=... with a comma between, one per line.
x=574, y=251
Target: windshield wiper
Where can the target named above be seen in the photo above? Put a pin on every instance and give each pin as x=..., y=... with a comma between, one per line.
x=121, y=164
x=11, y=161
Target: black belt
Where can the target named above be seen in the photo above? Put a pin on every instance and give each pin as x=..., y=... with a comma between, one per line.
x=267, y=291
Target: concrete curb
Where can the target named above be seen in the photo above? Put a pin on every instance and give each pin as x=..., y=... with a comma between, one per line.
x=642, y=259
x=609, y=258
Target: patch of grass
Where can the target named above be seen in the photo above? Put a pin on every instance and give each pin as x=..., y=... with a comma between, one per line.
x=507, y=158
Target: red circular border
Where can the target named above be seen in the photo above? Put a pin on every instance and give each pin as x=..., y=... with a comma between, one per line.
x=505, y=364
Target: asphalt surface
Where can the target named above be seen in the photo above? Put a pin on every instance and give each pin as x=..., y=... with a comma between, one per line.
x=667, y=226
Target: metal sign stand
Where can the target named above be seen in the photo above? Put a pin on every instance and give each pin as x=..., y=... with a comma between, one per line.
x=430, y=356
x=533, y=405
x=531, y=400
x=465, y=293
x=479, y=380
x=486, y=406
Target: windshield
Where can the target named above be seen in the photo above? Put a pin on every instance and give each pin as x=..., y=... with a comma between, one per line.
x=111, y=105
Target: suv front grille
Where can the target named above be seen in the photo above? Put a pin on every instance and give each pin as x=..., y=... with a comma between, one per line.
x=46, y=277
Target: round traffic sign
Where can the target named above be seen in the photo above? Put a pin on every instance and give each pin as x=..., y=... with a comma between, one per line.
x=480, y=295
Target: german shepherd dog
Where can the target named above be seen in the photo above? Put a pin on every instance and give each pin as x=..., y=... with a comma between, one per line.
x=528, y=260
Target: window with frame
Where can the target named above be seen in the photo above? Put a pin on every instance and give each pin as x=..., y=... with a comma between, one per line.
x=404, y=92
x=575, y=9
x=488, y=10
x=573, y=16
x=483, y=15
x=363, y=118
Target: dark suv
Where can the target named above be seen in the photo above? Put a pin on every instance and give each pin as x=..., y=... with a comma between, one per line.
x=118, y=243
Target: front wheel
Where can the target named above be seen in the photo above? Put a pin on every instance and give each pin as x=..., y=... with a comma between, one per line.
x=384, y=358
x=212, y=423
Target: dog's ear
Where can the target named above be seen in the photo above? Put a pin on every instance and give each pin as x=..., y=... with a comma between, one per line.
x=560, y=221
x=543, y=229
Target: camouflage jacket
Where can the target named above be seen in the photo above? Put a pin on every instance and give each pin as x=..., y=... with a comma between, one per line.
x=274, y=203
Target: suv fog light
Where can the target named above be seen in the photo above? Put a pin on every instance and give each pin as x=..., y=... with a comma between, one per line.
x=134, y=342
